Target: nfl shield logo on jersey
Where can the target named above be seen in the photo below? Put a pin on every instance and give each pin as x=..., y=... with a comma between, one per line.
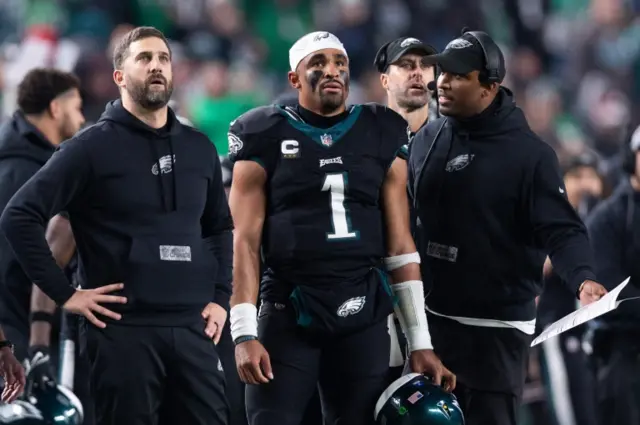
x=326, y=139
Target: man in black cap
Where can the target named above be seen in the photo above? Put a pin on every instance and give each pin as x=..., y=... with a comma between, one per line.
x=407, y=78
x=491, y=204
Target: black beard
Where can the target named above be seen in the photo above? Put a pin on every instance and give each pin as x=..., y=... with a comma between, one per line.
x=329, y=103
x=151, y=100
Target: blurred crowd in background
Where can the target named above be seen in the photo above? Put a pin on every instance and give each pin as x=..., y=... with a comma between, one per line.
x=574, y=65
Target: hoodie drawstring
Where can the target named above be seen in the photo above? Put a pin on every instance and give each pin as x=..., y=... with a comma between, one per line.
x=156, y=155
x=174, y=191
x=173, y=175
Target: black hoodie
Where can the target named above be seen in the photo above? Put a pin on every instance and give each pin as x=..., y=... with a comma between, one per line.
x=491, y=203
x=23, y=151
x=147, y=209
x=614, y=230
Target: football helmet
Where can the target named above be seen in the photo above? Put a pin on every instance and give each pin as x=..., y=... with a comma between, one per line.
x=414, y=400
x=44, y=406
x=43, y=402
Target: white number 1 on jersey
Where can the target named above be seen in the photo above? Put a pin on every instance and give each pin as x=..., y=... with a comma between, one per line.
x=336, y=183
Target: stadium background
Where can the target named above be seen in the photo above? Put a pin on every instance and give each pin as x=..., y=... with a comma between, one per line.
x=573, y=64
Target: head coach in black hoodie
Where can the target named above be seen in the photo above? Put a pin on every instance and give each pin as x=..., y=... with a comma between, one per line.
x=149, y=213
x=49, y=112
x=491, y=204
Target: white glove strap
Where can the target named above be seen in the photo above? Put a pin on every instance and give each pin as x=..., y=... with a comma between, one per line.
x=395, y=262
x=244, y=320
x=412, y=315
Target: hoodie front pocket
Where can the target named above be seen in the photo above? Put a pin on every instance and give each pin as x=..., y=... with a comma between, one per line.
x=173, y=271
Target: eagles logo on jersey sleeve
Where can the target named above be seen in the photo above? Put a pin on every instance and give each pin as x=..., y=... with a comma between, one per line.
x=248, y=135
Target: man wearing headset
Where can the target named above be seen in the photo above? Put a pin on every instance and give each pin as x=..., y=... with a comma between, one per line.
x=614, y=230
x=408, y=81
x=491, y=203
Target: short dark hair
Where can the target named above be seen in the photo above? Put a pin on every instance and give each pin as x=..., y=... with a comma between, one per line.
x=42, y=85
x=122, y=48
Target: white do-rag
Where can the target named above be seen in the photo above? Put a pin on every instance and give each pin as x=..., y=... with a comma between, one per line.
x=311, y=43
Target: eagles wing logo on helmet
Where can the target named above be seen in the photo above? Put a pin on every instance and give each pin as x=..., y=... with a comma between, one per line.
x=351, y=306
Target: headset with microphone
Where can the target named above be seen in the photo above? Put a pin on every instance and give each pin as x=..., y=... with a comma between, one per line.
x=494, y=68
x=380, y=60
x=493, y=58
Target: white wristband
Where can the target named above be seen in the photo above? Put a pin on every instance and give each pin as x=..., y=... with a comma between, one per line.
x=244, y=320
x=397, y=261
x=411, y=314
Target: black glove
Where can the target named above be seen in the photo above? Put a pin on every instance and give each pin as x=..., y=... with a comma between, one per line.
x=39, y=367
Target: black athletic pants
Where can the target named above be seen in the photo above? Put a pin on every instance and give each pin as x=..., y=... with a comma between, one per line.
x=618, y=378
x=235, y=388
x=144, y=375
x=490, y=365
x=350, y=371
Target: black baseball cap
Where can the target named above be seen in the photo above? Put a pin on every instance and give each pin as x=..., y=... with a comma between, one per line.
x=394, y=50
x=462, y=56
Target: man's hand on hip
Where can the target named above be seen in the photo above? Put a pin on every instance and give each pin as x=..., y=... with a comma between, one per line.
x=216, y=317
x=86, y=302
